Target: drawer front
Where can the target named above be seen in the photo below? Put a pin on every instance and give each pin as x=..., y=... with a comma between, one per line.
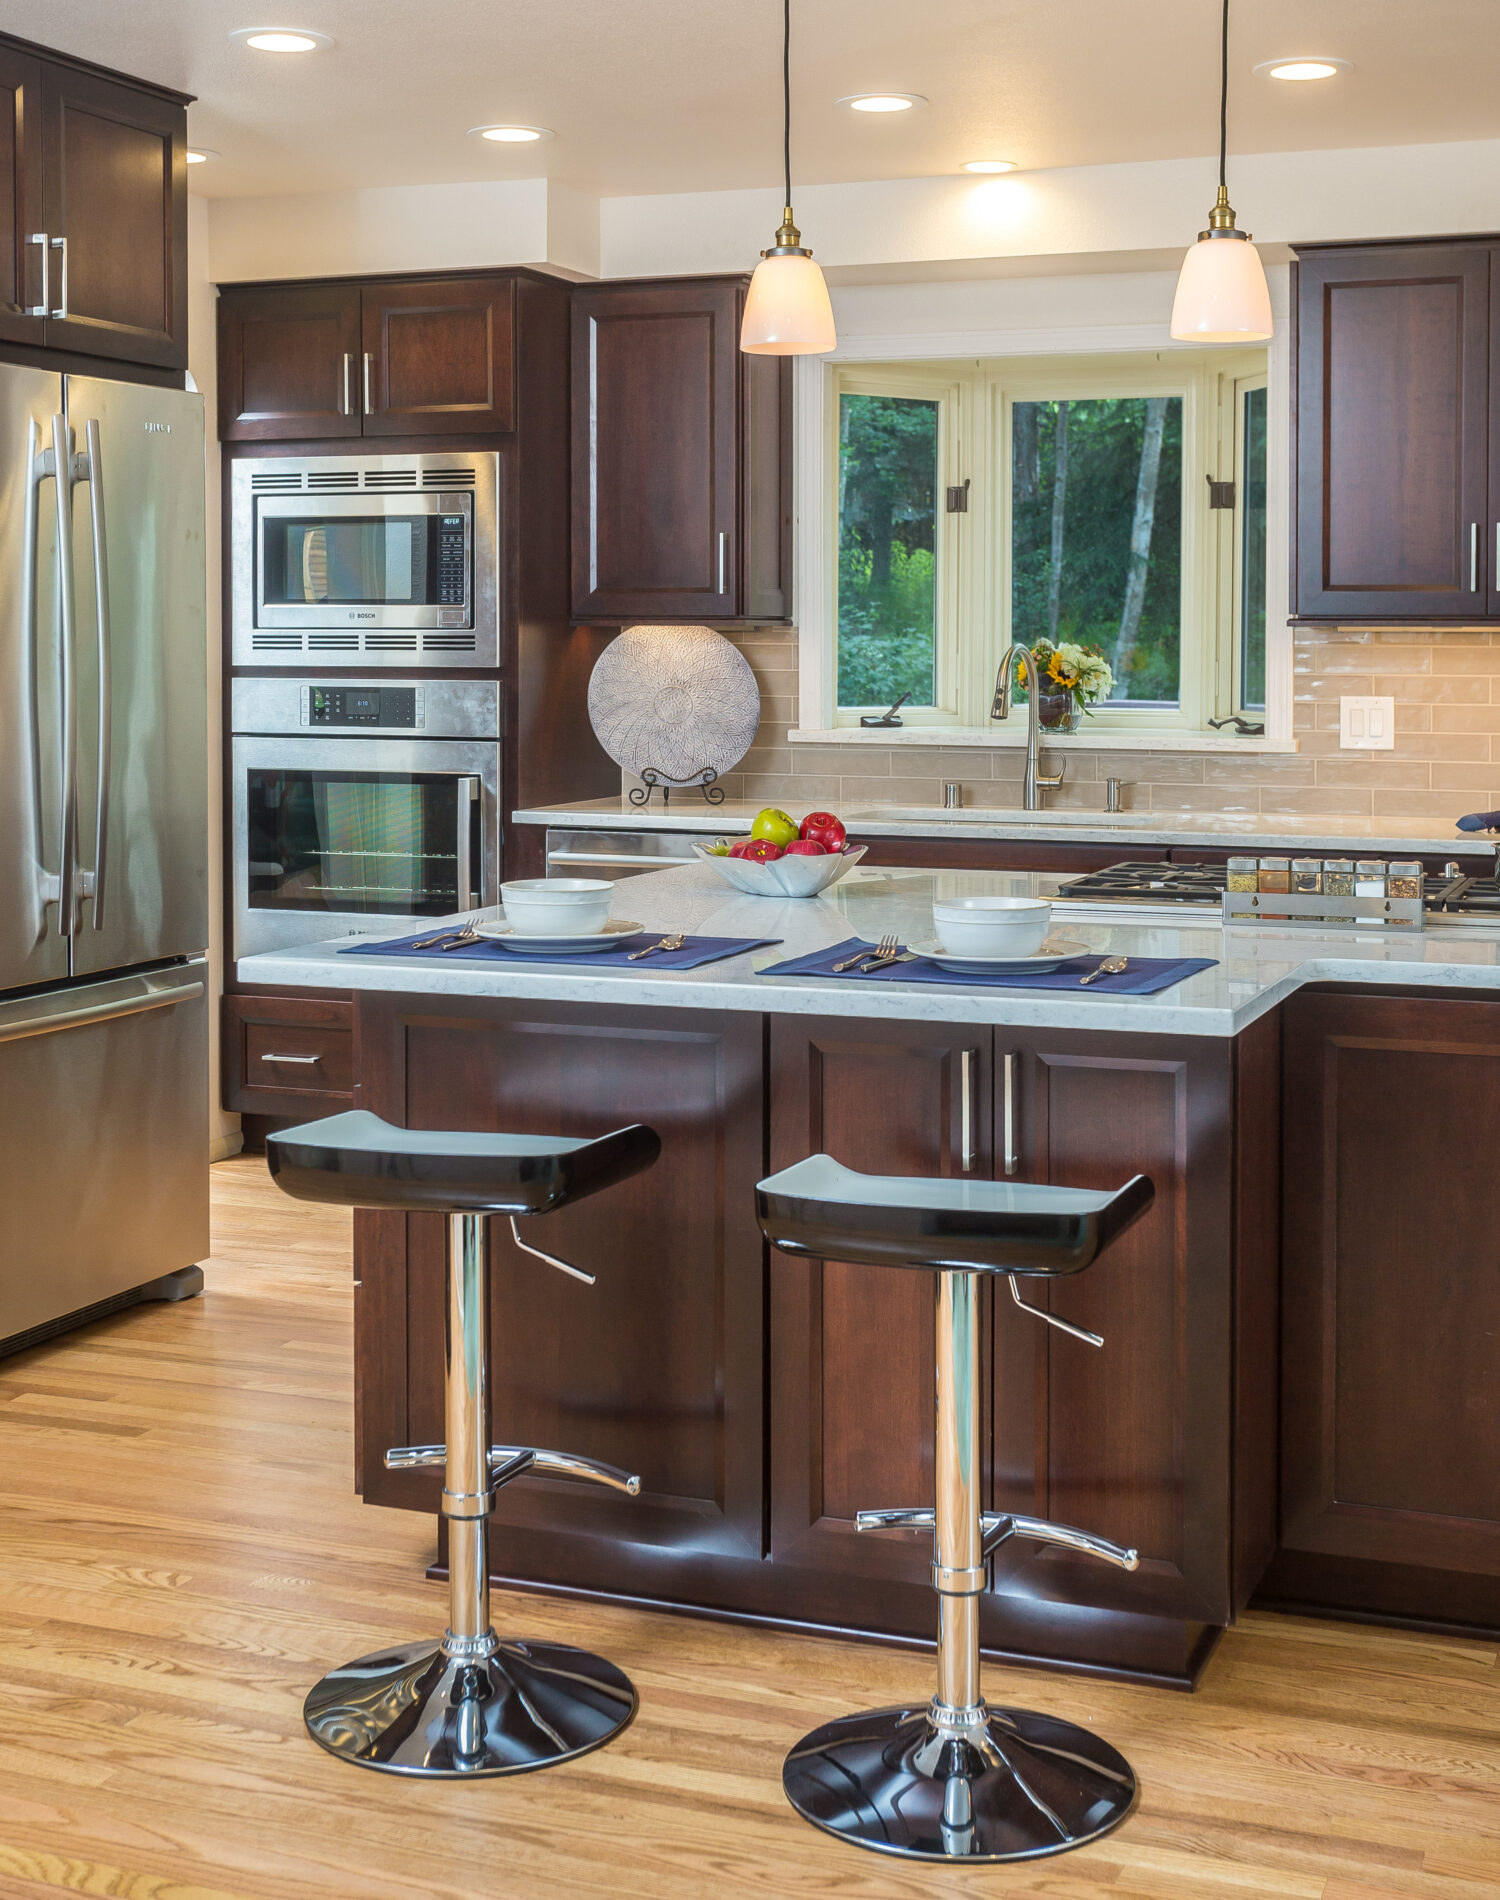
x=290, y=1055
x=287, y=1055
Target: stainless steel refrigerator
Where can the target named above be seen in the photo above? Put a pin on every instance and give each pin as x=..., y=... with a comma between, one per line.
x=103, y=849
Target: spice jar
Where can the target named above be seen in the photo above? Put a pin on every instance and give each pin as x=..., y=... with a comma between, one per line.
x=1307, y=876
x=1369, y=877
x=1404, y=879
x=1275, y=874
x=1338, y=877
x=1243, y=874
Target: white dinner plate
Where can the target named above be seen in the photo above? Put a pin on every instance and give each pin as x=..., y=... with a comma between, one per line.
x=1053, y=954
x=578, y=943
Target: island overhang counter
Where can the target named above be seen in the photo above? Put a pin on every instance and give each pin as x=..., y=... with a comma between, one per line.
x=765, y=1401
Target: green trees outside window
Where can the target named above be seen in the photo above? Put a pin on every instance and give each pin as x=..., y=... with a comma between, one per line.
x=888, y=485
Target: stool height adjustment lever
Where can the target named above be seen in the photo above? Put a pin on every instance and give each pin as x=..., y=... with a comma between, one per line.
x=1062, y=1325
x=550, y=1258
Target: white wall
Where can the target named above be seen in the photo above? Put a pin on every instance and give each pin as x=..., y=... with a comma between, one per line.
x=224, y=1130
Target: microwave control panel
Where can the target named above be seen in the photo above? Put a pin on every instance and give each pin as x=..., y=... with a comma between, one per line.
x=389, y=707
x=452, y=561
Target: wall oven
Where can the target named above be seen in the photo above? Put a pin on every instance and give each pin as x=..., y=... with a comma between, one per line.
x=372, y=560
x=361, y=806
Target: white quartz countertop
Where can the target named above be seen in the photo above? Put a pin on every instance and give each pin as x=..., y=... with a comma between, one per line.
x=1256, y=966
x=1223, y=830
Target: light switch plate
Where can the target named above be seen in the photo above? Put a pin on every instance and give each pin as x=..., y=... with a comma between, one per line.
x=1367, y=723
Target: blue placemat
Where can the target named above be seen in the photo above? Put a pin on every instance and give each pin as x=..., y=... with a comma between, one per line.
x=694, y=953
x=1145, y=976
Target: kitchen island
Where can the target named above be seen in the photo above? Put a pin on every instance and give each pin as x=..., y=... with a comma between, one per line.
x=1288, y=1103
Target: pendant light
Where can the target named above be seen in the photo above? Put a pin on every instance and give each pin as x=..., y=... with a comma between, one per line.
x=787, y=312
x=1221, y=292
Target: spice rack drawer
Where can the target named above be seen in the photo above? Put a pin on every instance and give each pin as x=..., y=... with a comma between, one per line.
x=287, y=1055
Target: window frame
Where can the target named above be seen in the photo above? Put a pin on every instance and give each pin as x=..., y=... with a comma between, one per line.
x=975, y=440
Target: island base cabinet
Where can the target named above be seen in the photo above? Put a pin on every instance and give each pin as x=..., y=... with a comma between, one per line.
x=1391, y=1306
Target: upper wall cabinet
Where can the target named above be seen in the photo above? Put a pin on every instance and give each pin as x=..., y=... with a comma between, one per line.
x=681, y=444
x=304, y=362
x=1397, y=514
x=93, y=213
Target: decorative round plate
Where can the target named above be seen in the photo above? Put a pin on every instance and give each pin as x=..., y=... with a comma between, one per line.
x=578, y=943
x=678, y=702
x=1053, y=954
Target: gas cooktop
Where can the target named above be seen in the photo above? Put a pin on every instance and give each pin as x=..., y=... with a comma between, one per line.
x=1448, y=892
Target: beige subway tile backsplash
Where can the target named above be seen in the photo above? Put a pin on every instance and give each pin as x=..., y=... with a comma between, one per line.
x=1446, y=758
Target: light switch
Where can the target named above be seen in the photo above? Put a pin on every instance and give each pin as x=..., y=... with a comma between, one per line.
x=1367, y=723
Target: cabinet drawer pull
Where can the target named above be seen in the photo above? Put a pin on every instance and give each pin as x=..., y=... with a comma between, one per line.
x=299, y=1061
x=966, y=1113
x=1012, y=1160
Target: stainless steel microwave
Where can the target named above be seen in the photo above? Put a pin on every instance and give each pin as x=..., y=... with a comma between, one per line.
x=372, y=560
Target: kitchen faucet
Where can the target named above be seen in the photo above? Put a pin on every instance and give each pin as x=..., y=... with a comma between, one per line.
x=1036, y=782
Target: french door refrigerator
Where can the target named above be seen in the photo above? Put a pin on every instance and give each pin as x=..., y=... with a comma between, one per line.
x=103, y=849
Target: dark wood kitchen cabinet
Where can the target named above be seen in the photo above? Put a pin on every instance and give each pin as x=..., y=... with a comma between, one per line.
x=1396, y=507
x=1391, y=1306
x=329, y=360
x=681, y=446
x=93, y=211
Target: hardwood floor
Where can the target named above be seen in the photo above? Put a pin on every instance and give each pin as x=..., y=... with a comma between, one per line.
x=181, y=1553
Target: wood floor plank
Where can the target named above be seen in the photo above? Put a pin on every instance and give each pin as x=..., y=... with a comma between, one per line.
x=182, y=1555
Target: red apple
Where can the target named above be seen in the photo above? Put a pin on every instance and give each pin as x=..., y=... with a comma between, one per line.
x=739, y=847
x=805, y=848
x=821, y=827
x=761, y=850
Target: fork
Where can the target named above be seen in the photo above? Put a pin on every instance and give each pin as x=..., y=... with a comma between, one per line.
x=675, y=942
x=468, y=934
x=883, y=951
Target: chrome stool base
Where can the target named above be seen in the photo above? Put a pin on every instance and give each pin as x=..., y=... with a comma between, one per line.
x=1020, y=1787
x=415, y=1710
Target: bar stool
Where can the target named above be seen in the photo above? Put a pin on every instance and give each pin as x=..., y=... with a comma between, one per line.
x=955, y=1779
x=470, y=1704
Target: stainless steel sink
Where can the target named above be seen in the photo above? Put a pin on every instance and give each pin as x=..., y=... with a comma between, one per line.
x=1072, y=818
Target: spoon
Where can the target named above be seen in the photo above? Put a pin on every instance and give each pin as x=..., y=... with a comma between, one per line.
x=1111, y=966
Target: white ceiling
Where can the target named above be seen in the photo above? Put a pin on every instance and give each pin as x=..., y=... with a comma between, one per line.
x=683, y=95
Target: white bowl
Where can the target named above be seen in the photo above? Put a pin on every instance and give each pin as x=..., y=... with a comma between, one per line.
x=992, y=926
x=797, y=876
x=556, y=906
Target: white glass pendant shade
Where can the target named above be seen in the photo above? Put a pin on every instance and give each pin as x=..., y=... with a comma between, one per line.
x=787, y=312
x=1221, y=293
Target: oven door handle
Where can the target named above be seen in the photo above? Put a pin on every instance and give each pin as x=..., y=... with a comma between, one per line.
x=468, y=799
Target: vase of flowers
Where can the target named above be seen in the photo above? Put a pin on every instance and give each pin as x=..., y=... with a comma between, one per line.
x=1071, y=679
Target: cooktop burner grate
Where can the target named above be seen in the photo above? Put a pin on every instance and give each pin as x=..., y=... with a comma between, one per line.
x=1149, y=883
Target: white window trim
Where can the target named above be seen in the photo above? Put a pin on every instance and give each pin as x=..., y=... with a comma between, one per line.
x=815, y=453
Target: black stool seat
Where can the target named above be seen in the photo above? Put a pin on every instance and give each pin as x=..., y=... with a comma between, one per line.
x=358, y=1160
x=821, y=1208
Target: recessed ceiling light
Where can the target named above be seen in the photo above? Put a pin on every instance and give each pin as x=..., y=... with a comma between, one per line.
x=511, y=134
x=882, y=101
x=990, y=165
x=200, y=154
x=1306, y=68
x=282, y=39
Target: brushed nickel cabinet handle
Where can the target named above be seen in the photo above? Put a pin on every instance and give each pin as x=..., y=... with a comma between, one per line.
x=1012, y=1159
x=1473, y=557
x=300, y=1061
x=723, y=560
x=966, y=1117
x=369, y=363
x=61, y=244
x=346, y=399
x=43, y=309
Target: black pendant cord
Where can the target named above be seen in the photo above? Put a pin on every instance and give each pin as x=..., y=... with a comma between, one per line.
x=1223, y=96
x=786, y=94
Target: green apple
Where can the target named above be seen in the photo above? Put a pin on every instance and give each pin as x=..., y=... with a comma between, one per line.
x=775, y=826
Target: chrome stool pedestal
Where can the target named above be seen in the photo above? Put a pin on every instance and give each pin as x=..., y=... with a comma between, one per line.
x=471, y=1704
x=953, y=1779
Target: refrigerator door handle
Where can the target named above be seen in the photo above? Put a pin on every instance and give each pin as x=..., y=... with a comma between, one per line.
x=39, y=463
x=89, y=468
x=131, y=999
x=62, y=472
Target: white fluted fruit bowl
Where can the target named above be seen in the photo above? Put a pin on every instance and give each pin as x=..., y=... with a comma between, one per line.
x=784, y=877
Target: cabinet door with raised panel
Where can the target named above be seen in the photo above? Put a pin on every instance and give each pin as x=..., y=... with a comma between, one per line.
x=656, y=450
x=114, y=168
x=1391, y=1306
x=437, y=357
x=852, y=1346
x=289, y=362
x=20, y=197
x=1131, y=1440
x=1392, y=513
